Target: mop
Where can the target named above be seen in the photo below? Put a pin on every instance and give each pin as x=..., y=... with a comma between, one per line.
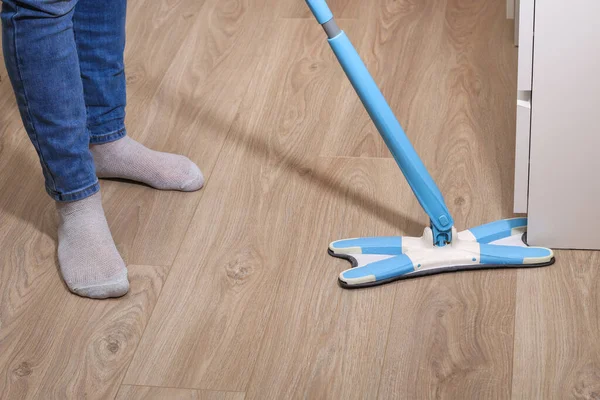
x=379, y=260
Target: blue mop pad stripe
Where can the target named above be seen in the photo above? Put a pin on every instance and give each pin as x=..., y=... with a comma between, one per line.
x=385, y=269
x=497, y=230
x=391, y=245
x=501, y=255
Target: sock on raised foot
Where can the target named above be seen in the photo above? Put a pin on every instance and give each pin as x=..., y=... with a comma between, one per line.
x=125, y=158
x=89, y=260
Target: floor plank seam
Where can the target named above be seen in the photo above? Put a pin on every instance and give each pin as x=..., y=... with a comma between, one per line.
x=204, y=189
x=387, y=342
x=143, y=333
x=158, y=297
x=181, y=388
x=262, y=340
x=276, y=290
x=291, y=163
x=514, y=335
x=218, y=158
x=179, y=50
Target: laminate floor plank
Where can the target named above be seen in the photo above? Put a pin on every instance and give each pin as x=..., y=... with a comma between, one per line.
x=451, y=337
x=233, y=295
x=207, y=330
x=190, y=113
x=333, y=340
x=399, y=43
x=155, y=35
x=129, y=392
x=340, y=9
x=56, y=345
x=34, y=340
x=556, y=352
x=456, y=331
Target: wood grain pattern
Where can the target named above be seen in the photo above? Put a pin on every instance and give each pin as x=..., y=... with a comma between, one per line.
x=339, y=8
x=129, y=392
x=556, y=352
x=451, y=338
x=155, y=33
x=464, y=345
x=190, y=111
x=391, y=32
x=56, y=345
x=229, y=290
x=333, y=340
x=246, y=303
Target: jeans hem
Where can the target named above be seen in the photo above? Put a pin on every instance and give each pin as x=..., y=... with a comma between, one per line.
x=108, y=137
x=74, y=196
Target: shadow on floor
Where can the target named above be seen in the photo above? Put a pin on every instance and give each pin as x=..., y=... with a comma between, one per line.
x=303, y=168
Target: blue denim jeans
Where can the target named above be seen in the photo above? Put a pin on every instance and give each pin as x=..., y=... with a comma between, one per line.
x=65, y=62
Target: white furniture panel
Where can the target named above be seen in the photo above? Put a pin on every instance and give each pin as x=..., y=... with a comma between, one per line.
x=564, y=179
x=524, y=39
x=525, y=35
x=522, y=152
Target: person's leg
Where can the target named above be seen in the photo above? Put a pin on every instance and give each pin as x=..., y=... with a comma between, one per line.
x=43, y=66
x=100, y=37
x=41, y=60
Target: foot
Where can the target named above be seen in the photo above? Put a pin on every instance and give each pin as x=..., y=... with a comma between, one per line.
x=89, y=260
x=125, y=158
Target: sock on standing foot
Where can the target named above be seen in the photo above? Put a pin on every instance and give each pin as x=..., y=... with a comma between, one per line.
x=89, y=260
x=125, y=158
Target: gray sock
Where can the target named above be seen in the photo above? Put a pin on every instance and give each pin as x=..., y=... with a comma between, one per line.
x=125, y=158
x=89, y=260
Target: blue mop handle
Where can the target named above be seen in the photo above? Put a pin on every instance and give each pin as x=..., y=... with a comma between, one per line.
x=425, y=189
x=320, y=9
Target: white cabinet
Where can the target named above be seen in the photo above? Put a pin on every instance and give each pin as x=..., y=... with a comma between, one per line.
x=524, y=35
x=559, y=73
x=522, y=151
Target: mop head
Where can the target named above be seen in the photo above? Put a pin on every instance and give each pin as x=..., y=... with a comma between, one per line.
x=379, y=260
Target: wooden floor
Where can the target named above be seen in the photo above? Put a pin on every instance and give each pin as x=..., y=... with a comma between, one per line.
x=233, y=295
